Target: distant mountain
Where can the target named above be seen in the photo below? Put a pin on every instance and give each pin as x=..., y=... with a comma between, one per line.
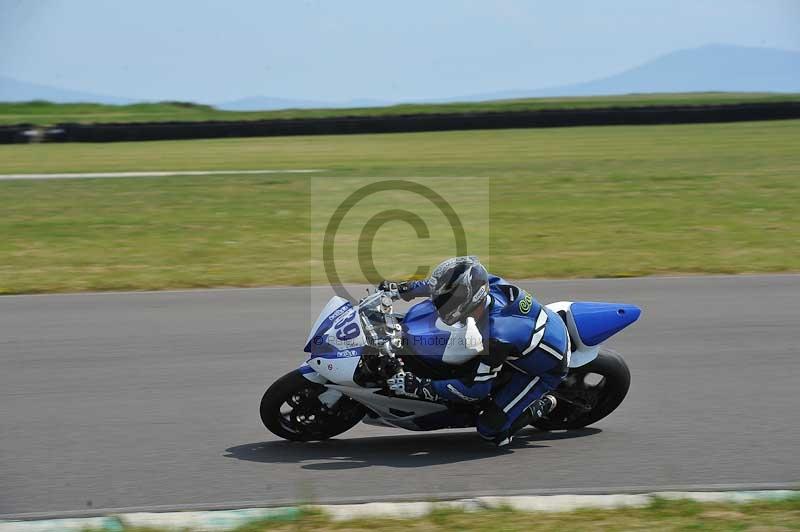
x=12, y=90
x=716, y=67
x=711, y=68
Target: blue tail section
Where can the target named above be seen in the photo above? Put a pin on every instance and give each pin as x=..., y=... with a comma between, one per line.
x=597, y=322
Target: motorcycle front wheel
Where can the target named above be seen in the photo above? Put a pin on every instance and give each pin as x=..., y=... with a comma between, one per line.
x=589, y=393
x=292, y=410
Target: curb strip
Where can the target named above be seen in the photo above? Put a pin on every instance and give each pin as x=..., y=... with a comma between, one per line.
x=221, y=520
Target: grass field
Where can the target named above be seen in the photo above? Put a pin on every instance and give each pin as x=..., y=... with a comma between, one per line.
x=45, y=113
x=572, y=202
x=662, y=515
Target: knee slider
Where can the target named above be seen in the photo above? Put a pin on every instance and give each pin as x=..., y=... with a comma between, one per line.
x=492, y=418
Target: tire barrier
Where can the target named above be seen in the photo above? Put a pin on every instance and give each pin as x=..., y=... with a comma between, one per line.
x=17, y=134
x=345, y=125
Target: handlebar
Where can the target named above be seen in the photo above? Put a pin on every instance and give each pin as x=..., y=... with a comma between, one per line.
x=381, y=302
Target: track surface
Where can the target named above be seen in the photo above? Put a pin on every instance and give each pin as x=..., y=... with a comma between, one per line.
x=127, y=400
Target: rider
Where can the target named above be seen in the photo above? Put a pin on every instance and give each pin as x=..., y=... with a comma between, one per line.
x=516, y=330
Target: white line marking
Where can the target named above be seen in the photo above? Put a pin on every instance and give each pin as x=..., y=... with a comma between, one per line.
x=163, y=173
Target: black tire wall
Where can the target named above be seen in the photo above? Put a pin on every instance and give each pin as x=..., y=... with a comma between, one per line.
x=423, y=122
x=14, y=134
x=408, y=123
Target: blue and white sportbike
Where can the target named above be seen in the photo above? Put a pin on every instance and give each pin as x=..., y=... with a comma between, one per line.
x=353, y=349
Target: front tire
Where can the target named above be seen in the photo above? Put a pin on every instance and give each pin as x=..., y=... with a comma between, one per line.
x=292, y=410
x=589, y=393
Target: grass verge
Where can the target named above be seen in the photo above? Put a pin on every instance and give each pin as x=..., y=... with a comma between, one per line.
x=45, y=113
x=662, y=515
x=572, y=202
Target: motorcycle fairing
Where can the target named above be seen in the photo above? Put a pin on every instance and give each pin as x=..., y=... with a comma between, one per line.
x=335, y=308
x=596, y=322
x=590, y=323
x=335, y=343
x=339, y=370
x=394, y=411
x=334, y=359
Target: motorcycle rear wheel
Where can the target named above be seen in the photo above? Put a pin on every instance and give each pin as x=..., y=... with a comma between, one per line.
x=589, y=393
x=290, y=408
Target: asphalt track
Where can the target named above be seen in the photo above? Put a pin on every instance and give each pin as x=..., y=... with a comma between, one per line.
x=151, y=399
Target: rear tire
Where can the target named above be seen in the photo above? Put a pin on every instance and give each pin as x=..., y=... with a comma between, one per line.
x=291, y=409
x=603, y=396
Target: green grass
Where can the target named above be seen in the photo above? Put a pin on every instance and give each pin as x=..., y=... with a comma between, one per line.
x=662, y=515
x=572, y=202
x=46, y=113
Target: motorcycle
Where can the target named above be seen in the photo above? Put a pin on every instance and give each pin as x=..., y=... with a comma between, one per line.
x=353, y=349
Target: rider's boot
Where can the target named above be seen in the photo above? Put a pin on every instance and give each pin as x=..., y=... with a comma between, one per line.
x=542, y=407
x=538, y=409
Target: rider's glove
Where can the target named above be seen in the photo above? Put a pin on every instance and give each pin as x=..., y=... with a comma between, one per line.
x=399, y=289
x=408, y=385
x=389, y=286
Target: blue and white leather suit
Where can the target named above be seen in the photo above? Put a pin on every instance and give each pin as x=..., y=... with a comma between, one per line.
x=517, y=331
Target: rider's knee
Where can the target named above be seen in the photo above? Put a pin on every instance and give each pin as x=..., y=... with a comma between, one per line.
x=492, y=420
x=552, y=379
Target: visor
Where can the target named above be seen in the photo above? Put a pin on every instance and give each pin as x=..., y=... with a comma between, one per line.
x=450, y=306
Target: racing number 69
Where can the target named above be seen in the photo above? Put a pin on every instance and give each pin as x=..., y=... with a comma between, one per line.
x=347, y=329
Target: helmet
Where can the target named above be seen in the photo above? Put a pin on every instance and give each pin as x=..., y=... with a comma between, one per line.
x=458, y=286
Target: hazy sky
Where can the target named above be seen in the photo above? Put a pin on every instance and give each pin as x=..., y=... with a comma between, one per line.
x=344, y=49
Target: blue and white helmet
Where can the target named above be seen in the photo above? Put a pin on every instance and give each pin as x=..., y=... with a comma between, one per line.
x=458, y=286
